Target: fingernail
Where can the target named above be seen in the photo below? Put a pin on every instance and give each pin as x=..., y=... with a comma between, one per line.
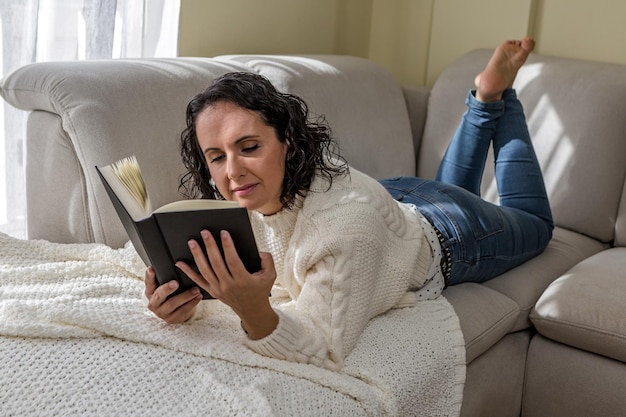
x=205, y=234
x=224, y=234
x=172, y=284
x=192, y=244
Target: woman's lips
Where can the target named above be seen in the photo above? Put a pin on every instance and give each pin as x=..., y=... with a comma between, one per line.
x=244, y=189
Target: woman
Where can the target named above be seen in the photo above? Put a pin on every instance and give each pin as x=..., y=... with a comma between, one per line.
x=343, y=246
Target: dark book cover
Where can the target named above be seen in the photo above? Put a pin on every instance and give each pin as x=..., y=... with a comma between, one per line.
x=161, y=239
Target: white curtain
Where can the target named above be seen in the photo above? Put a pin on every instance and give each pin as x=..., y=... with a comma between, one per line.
x=54, y=30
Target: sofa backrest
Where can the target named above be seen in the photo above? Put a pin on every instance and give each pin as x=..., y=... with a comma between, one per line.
x=575, y=112
x=362, y=102
x=89, y=113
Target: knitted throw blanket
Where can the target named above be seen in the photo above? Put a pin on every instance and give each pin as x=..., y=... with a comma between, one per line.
x=94, y=349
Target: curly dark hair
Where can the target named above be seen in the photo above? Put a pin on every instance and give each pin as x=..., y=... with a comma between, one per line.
x=311, y=149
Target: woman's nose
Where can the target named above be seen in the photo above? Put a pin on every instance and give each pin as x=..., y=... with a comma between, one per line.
x=236, y=168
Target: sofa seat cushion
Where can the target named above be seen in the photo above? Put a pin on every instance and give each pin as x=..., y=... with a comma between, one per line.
x=585, y=307
x=485, y=315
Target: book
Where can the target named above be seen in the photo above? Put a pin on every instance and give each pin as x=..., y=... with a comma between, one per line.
x=160, y=236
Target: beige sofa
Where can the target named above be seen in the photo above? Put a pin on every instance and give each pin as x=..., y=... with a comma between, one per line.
x=545, y=339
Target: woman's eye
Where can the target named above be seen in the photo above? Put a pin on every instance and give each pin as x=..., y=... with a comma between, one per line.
x=216, y=159
x=250, y=148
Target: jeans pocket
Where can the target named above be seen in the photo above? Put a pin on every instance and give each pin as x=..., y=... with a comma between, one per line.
x=483, y=218
x=400, y=186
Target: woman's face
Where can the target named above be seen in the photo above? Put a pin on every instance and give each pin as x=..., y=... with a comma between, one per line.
x=245, y=158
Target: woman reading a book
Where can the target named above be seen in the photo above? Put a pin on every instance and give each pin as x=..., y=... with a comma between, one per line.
x=343, y=246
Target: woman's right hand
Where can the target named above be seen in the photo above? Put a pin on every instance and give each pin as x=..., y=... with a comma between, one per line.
x=174, y=310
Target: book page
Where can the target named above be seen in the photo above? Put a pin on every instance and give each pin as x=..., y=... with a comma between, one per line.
x=129, y=173
x=199, y=204
x=125, y=179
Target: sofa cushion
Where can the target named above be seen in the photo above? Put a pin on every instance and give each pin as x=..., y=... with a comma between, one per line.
x=585, y=307
x=363, y=103
x=485, y=315
x=579, y=146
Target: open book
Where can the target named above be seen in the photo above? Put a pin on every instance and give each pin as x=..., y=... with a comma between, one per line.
x=160, y=236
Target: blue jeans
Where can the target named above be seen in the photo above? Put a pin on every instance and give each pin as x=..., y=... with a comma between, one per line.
x=485, y=239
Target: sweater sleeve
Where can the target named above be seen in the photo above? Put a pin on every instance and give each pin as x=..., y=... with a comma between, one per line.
x=311, y=329
x=349, y=262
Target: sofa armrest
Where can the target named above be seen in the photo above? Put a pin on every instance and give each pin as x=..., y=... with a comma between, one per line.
x=88, y=113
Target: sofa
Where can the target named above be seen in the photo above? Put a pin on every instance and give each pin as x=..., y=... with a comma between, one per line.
x=547, y=338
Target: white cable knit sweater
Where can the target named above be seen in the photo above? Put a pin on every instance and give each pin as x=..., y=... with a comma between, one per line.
x=344, y=256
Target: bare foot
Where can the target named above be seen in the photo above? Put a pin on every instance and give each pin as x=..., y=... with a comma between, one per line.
x=502, y=68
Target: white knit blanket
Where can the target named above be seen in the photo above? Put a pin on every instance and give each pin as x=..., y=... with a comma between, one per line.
x=77, y=339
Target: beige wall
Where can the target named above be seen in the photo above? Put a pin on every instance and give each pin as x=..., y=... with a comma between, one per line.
x=414, y=39
x=214, y=27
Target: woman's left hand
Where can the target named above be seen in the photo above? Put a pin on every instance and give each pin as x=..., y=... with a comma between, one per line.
x=227, y=280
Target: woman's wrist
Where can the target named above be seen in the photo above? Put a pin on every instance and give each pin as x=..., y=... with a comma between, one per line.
x=260, y=324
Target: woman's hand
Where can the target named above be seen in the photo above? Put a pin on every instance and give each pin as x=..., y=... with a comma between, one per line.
x=177, y=309
x=227, y=280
